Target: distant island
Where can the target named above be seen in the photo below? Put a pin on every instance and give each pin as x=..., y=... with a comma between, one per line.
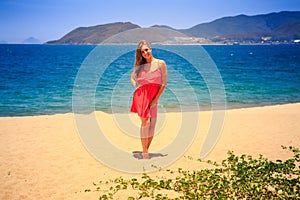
x=280, y=27
x=31, y=40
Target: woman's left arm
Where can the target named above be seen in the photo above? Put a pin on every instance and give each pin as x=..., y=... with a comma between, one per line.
x=164, y=77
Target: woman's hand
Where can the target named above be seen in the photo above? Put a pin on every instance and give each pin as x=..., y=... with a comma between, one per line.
x=153, y=102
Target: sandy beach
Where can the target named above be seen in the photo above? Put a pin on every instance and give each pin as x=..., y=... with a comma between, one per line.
x=42, y=157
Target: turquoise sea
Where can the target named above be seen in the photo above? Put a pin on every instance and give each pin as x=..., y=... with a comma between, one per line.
x=40, y=79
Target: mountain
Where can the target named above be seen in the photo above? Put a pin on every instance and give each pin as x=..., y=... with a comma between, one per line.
x=290, y=30
x=154, y=35
x=282, y=27
x=163, y=26
x=94, y=34
x=250, y=28
x=31, y=40
x=287, y=32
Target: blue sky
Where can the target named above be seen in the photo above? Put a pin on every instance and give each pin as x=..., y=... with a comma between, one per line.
x=51, y=19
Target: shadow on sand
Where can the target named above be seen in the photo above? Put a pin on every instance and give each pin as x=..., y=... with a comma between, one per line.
x=138, y=155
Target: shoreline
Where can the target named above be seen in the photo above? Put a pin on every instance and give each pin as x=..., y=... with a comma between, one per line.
x=43, y=157
x=170, y=110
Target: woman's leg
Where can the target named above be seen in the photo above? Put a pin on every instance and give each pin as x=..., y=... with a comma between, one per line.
x=151, y=130
x=153, y=114
x=144, y=134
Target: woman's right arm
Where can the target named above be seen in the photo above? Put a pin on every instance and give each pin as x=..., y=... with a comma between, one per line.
x=133, y=79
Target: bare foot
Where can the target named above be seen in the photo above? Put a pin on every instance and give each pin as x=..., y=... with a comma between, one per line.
x=145, y=155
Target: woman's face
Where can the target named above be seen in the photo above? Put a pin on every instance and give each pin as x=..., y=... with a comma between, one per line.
x=146, y=51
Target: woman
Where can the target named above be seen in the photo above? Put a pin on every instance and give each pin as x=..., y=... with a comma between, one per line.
x=149, y=77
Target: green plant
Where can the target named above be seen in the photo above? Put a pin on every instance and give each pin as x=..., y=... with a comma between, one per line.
x=237, y=177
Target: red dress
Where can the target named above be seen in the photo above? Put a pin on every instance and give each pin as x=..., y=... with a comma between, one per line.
x=148, y=85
